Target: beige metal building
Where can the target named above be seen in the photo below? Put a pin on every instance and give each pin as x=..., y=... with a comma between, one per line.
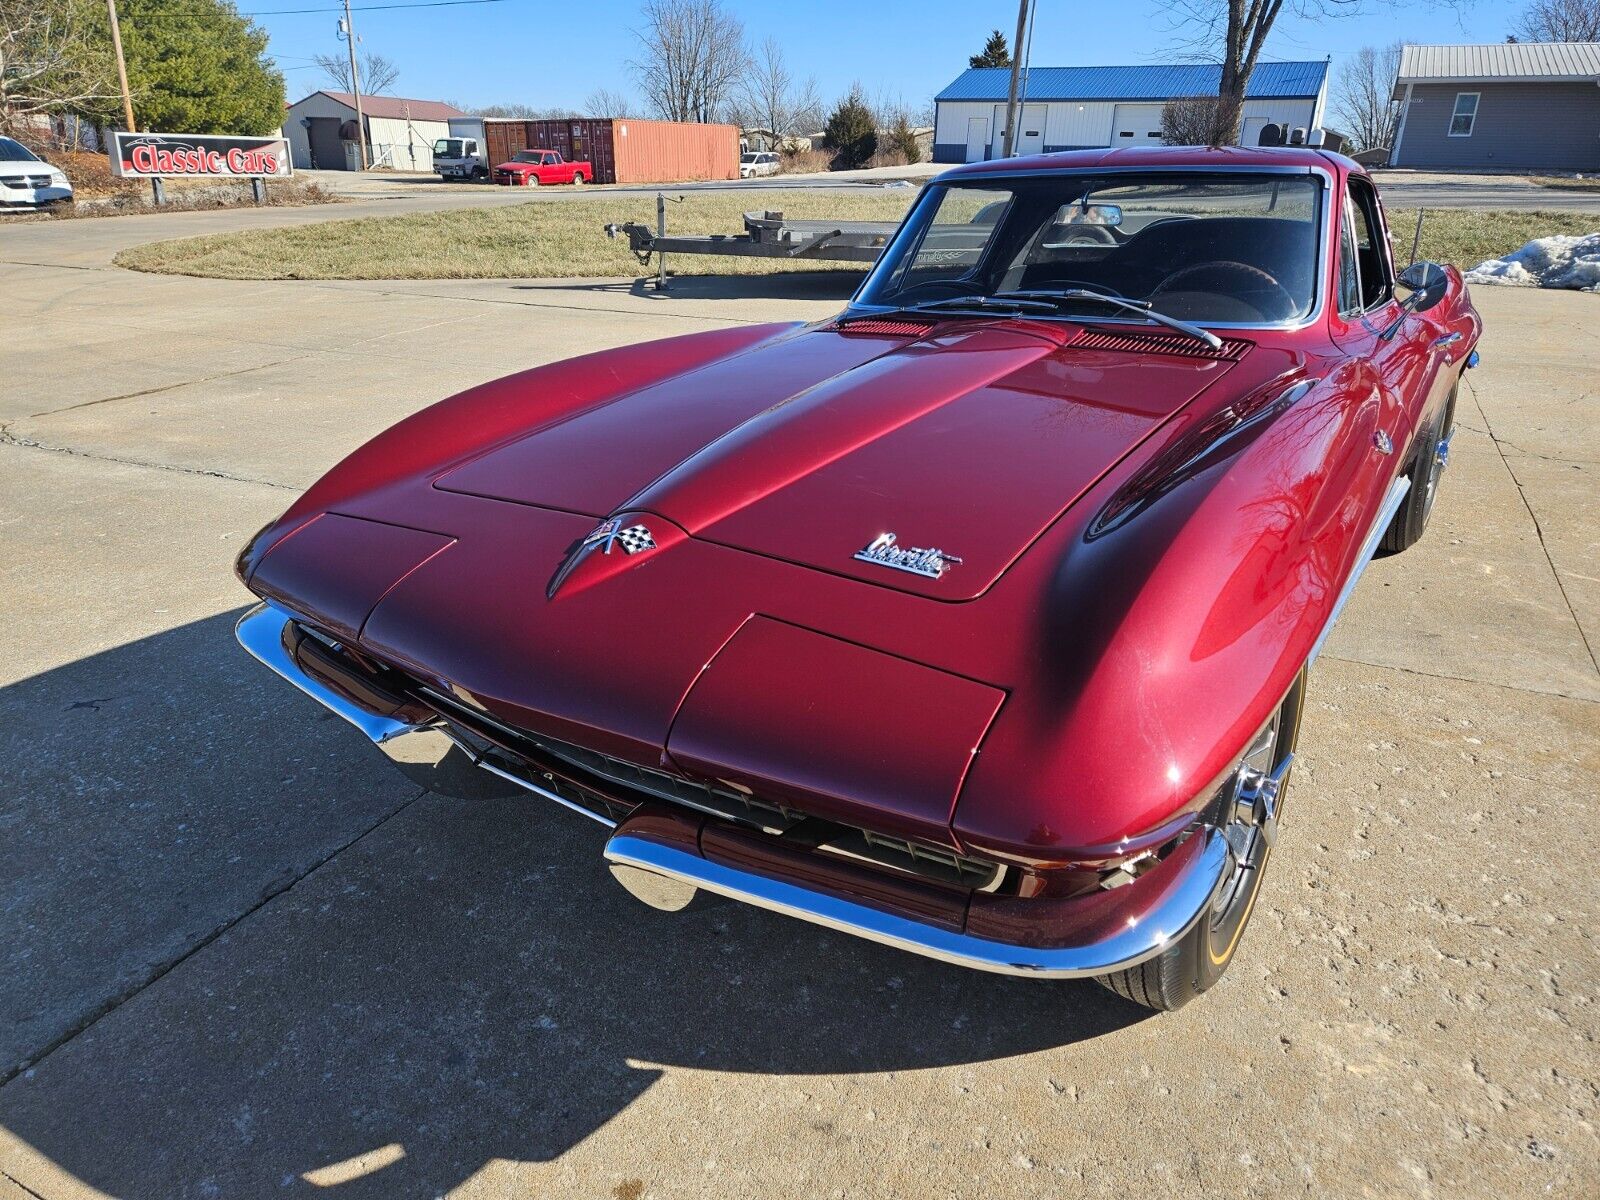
x=321, y=130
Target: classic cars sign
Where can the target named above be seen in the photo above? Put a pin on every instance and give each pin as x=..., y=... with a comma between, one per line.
x=196, y=155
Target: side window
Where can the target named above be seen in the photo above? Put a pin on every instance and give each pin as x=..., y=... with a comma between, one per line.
x=1371, y=259
x=1465, y=114
x=1349, y=268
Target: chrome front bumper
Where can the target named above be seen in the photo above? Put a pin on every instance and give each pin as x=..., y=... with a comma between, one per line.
x=1109, y=930
x=1136, y=922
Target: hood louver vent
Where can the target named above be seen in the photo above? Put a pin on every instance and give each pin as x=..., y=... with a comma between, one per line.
x=885, y=327
x=1158, y=343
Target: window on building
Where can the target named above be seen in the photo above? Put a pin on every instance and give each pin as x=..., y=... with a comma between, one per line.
x=1465, y=115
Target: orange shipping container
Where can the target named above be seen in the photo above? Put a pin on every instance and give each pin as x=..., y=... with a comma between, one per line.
x=624, y=151
x=669, y=152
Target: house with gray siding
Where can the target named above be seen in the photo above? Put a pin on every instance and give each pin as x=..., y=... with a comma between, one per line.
x=1083, y=108
x=1516, y=106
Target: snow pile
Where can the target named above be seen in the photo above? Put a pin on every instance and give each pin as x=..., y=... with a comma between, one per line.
x=1560, y=261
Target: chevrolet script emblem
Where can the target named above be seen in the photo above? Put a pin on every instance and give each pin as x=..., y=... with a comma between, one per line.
x=635, y=539
x=931, y=564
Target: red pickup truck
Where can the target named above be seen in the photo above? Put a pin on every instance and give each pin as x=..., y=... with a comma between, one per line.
x=529, y=168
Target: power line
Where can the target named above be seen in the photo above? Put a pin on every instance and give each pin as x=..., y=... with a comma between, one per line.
x=285, y=12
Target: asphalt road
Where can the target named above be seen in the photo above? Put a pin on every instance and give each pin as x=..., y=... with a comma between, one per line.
x=241, y=957
x=1483, y=191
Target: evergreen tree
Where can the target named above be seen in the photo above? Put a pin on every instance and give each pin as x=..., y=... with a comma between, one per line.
x=196, y=67
x=995, y=52
x=851, y=130
x=901, y=139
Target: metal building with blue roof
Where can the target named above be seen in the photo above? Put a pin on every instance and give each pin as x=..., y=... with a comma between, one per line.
x=1082, y=108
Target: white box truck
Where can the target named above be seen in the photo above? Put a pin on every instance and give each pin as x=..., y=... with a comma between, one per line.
x=465, y=153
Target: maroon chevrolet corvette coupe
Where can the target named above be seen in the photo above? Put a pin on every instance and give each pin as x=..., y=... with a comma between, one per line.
x=974, y=620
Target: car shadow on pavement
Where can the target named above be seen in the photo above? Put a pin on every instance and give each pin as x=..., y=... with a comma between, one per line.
x=461, y=982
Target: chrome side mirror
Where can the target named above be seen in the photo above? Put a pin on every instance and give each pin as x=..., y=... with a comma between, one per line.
x=1427, y=283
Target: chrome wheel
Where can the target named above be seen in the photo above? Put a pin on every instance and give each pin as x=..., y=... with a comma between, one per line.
x=1247, y=811
x=1441, y=459
x=1251, y=829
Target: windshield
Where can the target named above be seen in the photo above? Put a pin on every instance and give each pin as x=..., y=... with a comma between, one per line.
x=531, y=156
x=1228, y=248
x=15, y=151
x=447, y=148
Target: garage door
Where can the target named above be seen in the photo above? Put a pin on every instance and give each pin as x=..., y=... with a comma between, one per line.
x=1136, y=125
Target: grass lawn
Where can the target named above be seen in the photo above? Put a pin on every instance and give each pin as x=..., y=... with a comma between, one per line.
x=1569, y=183
x=542, y=239
x=547, y=239
x=1467, y=237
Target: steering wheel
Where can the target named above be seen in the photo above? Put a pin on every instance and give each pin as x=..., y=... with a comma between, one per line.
x=1236, y=277
x=1080, y=235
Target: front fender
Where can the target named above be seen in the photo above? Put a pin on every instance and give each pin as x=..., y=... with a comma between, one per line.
x=1176, y=621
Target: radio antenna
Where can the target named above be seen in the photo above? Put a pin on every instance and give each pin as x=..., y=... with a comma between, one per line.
x=1416, y=238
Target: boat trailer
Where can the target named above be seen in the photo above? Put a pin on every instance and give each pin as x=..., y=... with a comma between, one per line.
x=766, y=235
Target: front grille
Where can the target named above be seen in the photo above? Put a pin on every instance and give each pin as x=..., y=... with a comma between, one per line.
x=609, y=787
x=26, y=181
x=733, y=804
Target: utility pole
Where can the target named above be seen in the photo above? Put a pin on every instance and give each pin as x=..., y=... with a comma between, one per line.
x=355, y=85
x=1016, y=68
x=122, y=66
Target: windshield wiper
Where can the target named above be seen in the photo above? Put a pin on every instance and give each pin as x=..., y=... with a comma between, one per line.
x=1142, y=307
x=1001, y=303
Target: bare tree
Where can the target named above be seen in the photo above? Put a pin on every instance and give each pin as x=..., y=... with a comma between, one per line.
x=1198, y=121
x=378, y=74
x=1362, y=101
x=604, y=102
x=52, y=61
x=522, y=112
x=1239, y=29
x=1560, y=21
x=692, y=59
x=769, y=98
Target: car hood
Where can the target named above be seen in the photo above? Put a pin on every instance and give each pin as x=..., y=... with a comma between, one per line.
x=968, y=438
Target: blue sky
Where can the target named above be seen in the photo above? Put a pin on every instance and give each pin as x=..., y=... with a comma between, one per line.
x=549, y=54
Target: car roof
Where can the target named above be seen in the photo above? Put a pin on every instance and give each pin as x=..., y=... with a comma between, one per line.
x=1156, y=157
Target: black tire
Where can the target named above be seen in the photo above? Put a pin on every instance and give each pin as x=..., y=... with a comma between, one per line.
x=1194, y=963
x=1427, y=465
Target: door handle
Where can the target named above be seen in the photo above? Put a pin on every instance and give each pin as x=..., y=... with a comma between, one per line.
x=1448, y=339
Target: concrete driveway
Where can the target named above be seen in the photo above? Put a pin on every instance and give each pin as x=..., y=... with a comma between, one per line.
x=241, y=957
